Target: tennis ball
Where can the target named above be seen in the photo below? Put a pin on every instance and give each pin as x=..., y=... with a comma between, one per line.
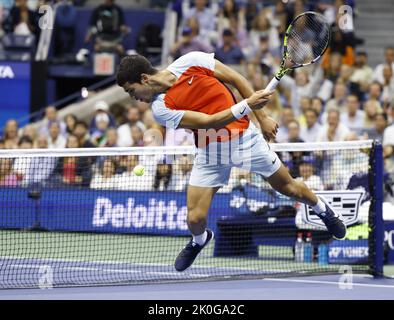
x=139, y=170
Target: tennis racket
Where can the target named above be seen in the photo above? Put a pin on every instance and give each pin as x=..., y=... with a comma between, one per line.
x=306, y=39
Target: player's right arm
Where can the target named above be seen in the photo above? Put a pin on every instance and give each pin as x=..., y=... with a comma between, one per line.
x=197, y=120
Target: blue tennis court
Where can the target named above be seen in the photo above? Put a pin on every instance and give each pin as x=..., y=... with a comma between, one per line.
x=312, y=287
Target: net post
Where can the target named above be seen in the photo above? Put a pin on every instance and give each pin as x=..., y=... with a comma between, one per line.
x=376, y=210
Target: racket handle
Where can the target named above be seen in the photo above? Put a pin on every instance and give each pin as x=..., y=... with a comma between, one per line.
x=272, y=85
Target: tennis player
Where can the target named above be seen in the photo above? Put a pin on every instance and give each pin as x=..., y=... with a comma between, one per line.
x=191, y=93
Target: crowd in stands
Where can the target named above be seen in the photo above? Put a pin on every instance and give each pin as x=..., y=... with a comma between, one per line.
x=341, y=98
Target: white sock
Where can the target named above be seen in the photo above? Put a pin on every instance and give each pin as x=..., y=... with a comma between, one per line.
x=200, y=239
x=320, y=207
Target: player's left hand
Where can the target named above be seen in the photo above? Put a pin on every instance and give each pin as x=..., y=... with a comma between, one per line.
x=269, y=128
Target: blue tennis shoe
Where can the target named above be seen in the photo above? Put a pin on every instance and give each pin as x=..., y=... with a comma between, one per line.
x=333, y=221
x=187, y=256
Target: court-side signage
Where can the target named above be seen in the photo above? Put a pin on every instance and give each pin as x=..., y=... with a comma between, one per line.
x=345, y=202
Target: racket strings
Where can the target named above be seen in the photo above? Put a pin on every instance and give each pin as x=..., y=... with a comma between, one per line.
x=308, y=38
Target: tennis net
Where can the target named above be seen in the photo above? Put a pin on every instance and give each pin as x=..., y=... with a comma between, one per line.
x=82, y=217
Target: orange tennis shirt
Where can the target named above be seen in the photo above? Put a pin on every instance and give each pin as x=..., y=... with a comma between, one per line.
x=197, y=89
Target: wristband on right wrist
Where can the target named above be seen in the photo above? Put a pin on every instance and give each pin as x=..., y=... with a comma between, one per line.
x=241, y=109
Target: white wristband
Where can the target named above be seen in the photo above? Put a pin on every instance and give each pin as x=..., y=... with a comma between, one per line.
x=241, y=109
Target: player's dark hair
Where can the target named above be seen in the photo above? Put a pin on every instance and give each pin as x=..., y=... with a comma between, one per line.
x=131, y=68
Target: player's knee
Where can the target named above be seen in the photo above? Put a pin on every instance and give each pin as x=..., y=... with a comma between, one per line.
x=196, y=217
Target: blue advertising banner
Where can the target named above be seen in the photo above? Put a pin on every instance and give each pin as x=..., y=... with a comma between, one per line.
x=389, y=240
x=15, y=90
x=348, y=251
x=88, y=210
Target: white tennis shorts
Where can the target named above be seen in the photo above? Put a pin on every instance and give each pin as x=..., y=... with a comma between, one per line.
x=250, y=151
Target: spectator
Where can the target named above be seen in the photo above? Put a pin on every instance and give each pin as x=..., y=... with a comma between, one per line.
x=371, y=108
x=30, y=131
x=81, y=132
x=307, y=174
x=274, y=107
x=230, y=52
x=55, y=139
x=108, y=25
x=125, y=138
x=264, y=57
x=305, y=104
x=339, y=99
x=137, y=135
x=99, y=134
x=354, y=117
x=205, y=16
x=72, y=170
x=40, y=168
x=378, y=74
x=129, y=181
x=375, y=91
x=11, y=134
x=21, y=20
x=380, y=125
x=111, y=138
x=388, y=85
x=362, y=74
x=49, y=118
x=294, y=131
x=309, y=132
x=162, y=177
x=22, y=164
x=189, y=42
x=181, y=173
x=283, y=132
x=70, y=121
x=333, y=130
x=101, y=108
x=107, y=179
x=7, y=177
x=262, y=26
x=317, y=105
x=118, y=111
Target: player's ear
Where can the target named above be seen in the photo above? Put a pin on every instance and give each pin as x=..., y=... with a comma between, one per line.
x=144, y=78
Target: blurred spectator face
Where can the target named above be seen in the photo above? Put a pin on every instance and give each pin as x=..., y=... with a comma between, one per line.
x=72, y=142
x=306, y=170
x=80, y=131
x=228, y=38
x=5, y=166
x=371, y=108
x=194, y=25
x=26, y=145
x=11, y=129
x=228, y=6
x=54, y=130
x=262, y=22
x=185, y=165
x=70, y=122
x=374, y=91
x=335, y=63
x=51, y=113
x=339, y=91
x=42, y=142
x=389, y=55
x=112, y=137
x=380, y=122
x=387, y=73
x=301, y=78
x=352, y=104
x=136, y=134
x=333, y=118
x=102, y=121
x=108, y=168
x=143, y=106
x=163, y=169
x=200, y=4
x=287, y=116
x=311, y=118
x=131, y=162
x=361, y=60
x=133, y=115
x=294, y=131
x=317, y=105
x=30, y=131
x=305, y=104
x=346, y=72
